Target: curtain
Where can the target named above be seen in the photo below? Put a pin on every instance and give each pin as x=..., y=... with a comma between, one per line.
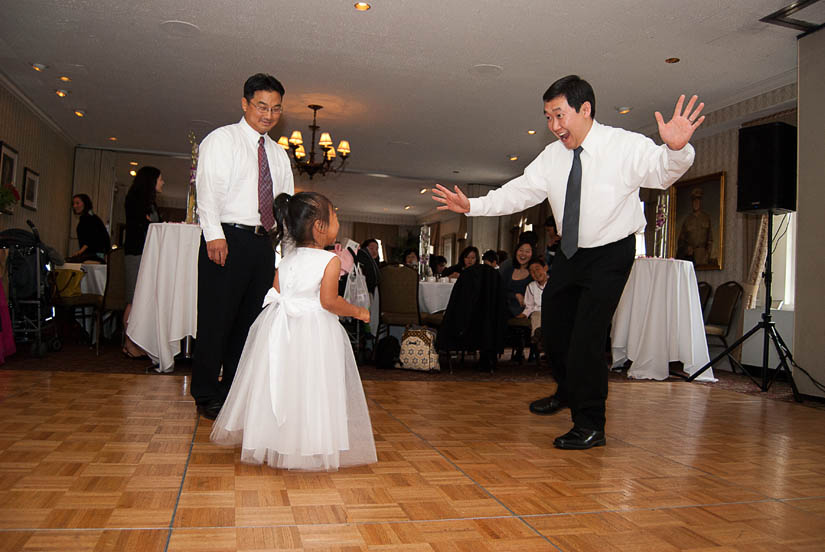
x=756, y=251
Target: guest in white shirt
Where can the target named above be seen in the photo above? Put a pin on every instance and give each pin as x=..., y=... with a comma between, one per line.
x=591, y=176
x=532, y=296
x=240, y=170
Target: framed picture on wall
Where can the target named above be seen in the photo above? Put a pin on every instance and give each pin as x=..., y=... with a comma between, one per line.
x=8, y=165
x=697, y=221
x=31, y=183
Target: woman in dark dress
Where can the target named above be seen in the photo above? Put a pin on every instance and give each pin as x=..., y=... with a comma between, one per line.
x=92, y=236
x=469, y=257
x=516, y=278
x=141, y=210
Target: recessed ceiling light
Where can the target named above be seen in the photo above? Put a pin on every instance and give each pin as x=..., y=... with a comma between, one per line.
x=64, y=78
x=513, y=157
x=39, y=67
x=133, y=163
x=423, y=191
x=455, y=172
x=80, y=113
x=133, y=172
x=182, y=29
x=378, y=175
x=407, y=207
x=486, y=70
x=336, y=208
x=62, y=93
x=531, y=132
x=624, y=110
x=112, y=138
x=362, y=6
x=672, y=60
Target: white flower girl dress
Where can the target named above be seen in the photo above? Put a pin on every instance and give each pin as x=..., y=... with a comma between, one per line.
x=296, y=401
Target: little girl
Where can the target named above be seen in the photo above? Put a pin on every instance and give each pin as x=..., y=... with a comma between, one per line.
x=297, y=401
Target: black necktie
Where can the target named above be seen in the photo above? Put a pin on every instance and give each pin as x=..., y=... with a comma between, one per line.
x=572, y=202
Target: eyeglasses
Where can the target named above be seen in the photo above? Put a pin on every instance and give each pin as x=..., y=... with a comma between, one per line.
x=263, y=109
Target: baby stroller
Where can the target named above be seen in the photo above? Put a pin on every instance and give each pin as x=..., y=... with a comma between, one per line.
x=28, y=265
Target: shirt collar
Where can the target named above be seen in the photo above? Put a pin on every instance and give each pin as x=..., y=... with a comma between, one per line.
x=252, y=134
x=594, y=138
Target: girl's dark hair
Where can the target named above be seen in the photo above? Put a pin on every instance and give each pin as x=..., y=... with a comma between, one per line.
x=516, y=264
x=435, y=260
x=87, y=202
x=143, y=187
x=297, y=215
x=467, y=251
x=490, y=256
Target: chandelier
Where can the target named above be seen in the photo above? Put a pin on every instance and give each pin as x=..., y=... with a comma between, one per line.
x=306, y=164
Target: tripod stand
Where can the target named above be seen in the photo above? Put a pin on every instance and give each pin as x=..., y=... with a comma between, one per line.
x=770, y=335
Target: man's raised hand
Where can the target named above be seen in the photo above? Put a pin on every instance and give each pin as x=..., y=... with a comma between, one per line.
x=452, y=201
x=677, y=132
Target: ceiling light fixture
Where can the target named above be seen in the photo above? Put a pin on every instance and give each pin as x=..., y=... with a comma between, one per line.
x=39, y=67
x=423, y=191
x=672, y=60
x=531, y=132
x=133, y=163
x=513, y=157
x=80, y=113
x=309, y=166
x=624, y=110
x=112, y=138
x=362, y=6
x=407, y=207
x=133, y=172
x=62, y=93
x=64, y=78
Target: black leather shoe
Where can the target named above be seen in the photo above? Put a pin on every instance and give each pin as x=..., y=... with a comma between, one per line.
x=580, y=438
x=547, y=405
x=210, y=410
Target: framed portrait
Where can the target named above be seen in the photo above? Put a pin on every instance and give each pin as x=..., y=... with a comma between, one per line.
x=8, y=165
x=697, y=221
x=31, y=183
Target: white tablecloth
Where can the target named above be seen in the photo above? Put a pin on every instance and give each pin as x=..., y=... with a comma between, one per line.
x=659, y=319
x=94, y=282
x=165, y=307
x=434, y=296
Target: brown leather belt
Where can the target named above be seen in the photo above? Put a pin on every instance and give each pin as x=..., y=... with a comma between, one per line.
x=257, y=230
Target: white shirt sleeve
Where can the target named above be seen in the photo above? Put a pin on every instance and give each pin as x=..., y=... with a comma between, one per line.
x=212, y=182
x=655, y=166
x=532, y=299
x=517, y=195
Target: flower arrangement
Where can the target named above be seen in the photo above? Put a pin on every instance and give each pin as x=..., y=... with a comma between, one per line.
x=8, y=197
x=191, y=197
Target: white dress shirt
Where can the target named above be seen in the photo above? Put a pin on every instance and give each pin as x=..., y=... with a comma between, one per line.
x=227, y=178
x=615, y=164
x=532, y=298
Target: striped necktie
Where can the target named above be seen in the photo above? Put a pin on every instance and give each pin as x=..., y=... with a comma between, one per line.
x=264, y=188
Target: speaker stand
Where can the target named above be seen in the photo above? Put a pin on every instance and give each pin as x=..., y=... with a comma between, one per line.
x=770, y=335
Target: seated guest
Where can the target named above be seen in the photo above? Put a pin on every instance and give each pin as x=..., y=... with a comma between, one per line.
x=411, y=258
x=525, y=237
x=502, y=256
x=490, y=258
x=437, y=264
x=532, y=295
x=469, y=257
x=367, y=258
x=516, y=279
x=91, y=232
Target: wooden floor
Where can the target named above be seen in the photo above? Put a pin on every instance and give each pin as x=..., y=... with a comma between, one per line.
x=92, y=462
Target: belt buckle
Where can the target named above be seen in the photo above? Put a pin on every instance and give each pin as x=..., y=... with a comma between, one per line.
x=259, y=230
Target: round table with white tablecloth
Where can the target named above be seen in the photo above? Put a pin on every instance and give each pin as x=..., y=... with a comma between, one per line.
x=434, y=296
x=165, y=307
x=659, y=320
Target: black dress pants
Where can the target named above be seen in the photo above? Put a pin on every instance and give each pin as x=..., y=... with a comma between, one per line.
x=577, y=308
x=229, y=300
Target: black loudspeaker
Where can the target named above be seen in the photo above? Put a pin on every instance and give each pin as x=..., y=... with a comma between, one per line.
x=767, y=169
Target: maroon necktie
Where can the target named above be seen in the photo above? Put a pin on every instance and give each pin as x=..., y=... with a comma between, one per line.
x=264, y=188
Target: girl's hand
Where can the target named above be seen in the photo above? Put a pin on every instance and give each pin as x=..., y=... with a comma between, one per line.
x=363, y=315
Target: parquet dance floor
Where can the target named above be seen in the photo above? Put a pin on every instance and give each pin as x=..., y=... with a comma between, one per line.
x=92, y=462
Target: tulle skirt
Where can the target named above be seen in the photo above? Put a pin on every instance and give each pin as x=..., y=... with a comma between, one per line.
x=297, y=401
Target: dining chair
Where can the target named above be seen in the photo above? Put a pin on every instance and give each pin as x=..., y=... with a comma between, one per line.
x=398, y=292
x=722, y=312
x=705, y=291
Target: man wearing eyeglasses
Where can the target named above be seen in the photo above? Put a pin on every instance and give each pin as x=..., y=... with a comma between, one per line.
x=240, y=170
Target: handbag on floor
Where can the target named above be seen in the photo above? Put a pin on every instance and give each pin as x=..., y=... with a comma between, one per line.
x=418, y=350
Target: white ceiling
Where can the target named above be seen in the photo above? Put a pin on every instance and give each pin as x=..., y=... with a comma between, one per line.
x=397, y=81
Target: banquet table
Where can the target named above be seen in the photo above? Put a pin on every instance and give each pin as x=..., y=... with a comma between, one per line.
x=434, y=296
x=659, y=320
x=164, y=310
